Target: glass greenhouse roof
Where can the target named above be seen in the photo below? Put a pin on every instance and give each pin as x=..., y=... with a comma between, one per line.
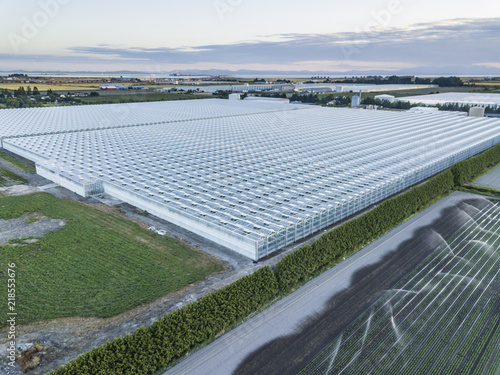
x=267, y=171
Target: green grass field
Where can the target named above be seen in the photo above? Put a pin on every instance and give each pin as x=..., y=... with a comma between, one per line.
x=8, y=178
x=97, y=265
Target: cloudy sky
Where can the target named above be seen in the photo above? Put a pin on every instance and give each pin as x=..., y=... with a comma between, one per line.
x=286, y=35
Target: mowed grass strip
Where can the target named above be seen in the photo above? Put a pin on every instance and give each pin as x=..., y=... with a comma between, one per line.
x=97, y=265
x=19, y=164
x=8, y=178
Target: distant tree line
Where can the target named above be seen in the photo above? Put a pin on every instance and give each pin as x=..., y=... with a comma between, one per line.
x=222, y=94
x=18, y=75
x=25, y=97
x=448, y=82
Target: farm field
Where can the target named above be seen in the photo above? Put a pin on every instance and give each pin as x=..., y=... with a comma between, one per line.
x=443, y=317
x=63, y=87
x=139, y=96
x=402, y=93
x=97, y=265
x=484, y=83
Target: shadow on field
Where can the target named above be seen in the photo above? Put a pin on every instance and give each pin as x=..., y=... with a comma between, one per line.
x=290, y=354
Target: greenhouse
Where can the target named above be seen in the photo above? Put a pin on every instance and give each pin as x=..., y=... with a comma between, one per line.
x=258, y=181
x=455, y=98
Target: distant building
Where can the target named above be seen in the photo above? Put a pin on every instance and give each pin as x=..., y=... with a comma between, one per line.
x=108, y=87
x=266, y=99
x=455, y=98
x=476, y=112
x=119, y=87
x=248, y=88
x=234, y=96
x=389, y=98
x=80, y=94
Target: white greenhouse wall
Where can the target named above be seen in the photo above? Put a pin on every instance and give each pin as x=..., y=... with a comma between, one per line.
x=205, y=229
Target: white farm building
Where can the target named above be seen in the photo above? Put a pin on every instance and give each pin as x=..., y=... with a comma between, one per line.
x=250, y=175
x=385, y=97
x=460, y=98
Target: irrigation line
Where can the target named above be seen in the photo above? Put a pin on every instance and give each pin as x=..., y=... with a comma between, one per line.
x=463, y=340
x=451, y=320
x=412, y=299
x=444, y=314
x=456, y=331
x=444, y=330
x=494, y=358
x=429, y=304
x=461, y=241
x=435, y=255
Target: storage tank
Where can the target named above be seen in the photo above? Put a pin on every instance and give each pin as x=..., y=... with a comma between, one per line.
x=356, y=100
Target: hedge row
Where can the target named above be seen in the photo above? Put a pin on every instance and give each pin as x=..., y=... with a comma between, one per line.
x=153, y=348
x=467, y=170
x=308, y=261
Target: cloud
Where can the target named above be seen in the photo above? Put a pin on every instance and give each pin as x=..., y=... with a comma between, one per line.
x=463, y=42
x=495, y=65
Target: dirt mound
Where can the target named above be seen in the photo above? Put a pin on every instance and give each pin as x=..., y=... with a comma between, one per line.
x=30, y=358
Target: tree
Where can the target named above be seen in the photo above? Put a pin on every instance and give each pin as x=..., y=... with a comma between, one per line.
x=20, y=91
x=35, y=91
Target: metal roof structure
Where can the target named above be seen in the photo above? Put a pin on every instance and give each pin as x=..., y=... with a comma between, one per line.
x=257, y=182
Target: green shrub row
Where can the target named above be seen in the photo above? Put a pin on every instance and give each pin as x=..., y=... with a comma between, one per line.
x=467, y=170
x=150, y=349
x=167, y=340
x=310, y=260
